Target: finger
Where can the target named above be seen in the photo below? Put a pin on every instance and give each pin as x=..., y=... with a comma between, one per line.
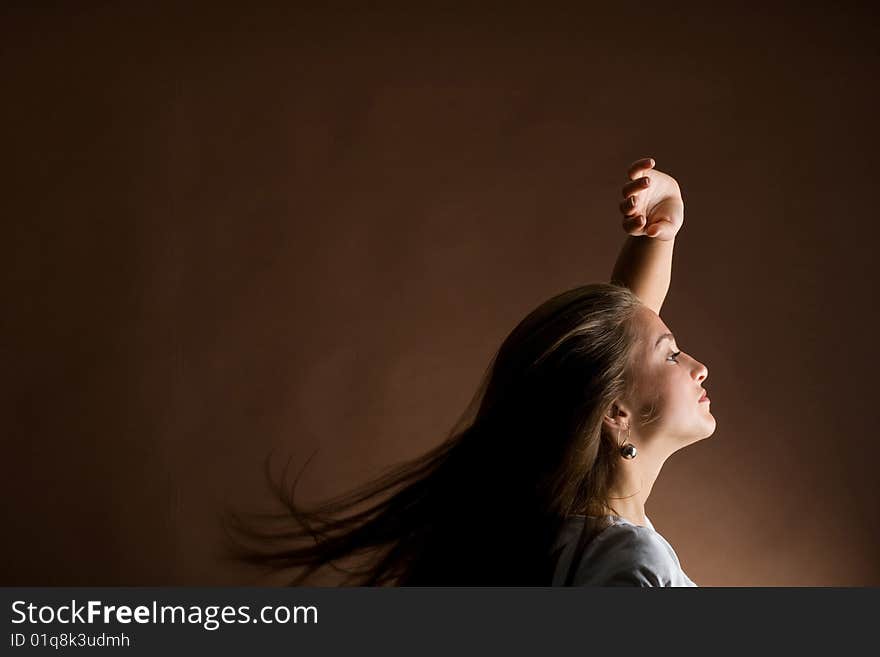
x=635, y=186
x=629, y=206
x=638, y=167
x=634, y=225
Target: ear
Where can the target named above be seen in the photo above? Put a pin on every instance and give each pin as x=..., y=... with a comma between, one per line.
x=616, y=418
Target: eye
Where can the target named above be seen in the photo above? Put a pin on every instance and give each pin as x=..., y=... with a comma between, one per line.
x=674, y=356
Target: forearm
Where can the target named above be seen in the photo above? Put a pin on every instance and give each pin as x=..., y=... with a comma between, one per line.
x=645, y=267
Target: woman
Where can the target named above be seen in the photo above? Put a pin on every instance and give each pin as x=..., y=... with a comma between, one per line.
x=545, y=477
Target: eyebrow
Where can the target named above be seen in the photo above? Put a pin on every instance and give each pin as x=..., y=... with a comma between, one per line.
x=663, y=337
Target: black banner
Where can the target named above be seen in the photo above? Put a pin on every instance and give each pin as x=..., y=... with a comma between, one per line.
x=415, y=620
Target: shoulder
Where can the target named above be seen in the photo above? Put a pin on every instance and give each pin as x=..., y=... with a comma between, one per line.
x=628, y=555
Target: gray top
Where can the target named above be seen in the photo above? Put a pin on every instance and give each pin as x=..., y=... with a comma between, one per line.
x=623, y=554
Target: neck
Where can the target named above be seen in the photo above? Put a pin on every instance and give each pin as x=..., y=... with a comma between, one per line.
x=632, y=485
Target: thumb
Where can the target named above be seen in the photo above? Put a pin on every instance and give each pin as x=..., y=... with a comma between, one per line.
x=658, y=227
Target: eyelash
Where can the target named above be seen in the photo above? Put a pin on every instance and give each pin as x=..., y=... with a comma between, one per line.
x=675, y=355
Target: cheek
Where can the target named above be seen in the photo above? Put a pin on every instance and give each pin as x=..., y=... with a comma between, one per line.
x=664, y=395
x=678, y=396
x=653, y=408
x=666, y=401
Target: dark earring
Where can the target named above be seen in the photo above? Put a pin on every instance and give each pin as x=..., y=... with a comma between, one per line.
x=628, y=451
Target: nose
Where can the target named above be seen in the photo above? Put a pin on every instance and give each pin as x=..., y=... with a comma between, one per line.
x=701, y=370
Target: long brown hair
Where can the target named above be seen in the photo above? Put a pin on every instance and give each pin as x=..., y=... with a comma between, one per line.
x=483, y=507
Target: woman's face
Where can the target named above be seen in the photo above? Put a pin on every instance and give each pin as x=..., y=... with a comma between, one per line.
x=671, y=381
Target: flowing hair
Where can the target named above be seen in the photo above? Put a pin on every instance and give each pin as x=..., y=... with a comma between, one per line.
x=483, y=507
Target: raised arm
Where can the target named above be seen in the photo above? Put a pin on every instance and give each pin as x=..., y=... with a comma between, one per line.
x=645, y=267
x=653, y=213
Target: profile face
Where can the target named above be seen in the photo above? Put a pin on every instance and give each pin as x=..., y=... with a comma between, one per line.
x=671, y=381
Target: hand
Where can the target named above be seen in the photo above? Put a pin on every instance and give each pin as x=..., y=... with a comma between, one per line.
x=652, y=202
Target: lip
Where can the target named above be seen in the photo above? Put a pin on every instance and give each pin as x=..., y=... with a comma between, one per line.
x=704, y=398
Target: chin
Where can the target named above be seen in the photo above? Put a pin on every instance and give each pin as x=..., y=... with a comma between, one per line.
x=706, y=430
x=711, y=428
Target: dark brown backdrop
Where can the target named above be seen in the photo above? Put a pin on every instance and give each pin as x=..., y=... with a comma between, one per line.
x=226, y=232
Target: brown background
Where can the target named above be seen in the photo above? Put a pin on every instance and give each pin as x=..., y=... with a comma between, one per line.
x=226, y=232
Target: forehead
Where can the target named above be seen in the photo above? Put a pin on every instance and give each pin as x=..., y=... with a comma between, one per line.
x=652, y=325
